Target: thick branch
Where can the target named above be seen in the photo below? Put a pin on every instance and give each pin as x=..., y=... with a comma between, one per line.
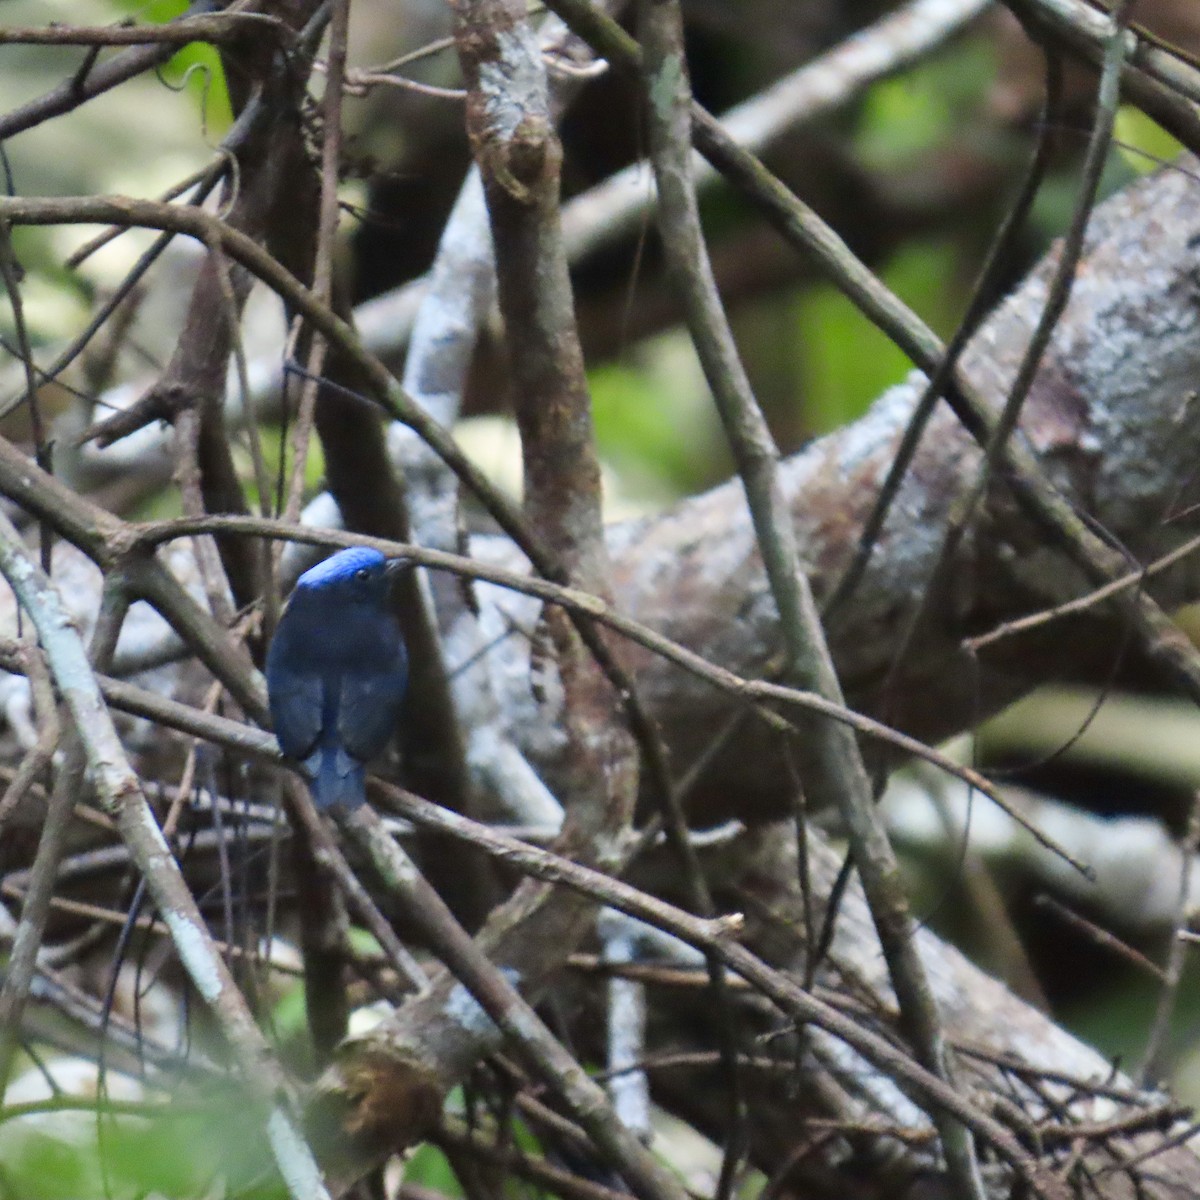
x=1109, y=416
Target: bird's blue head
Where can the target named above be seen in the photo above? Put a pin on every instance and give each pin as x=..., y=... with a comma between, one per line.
x=357, y=575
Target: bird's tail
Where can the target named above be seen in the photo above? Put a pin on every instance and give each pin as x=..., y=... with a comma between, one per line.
x=338, y=781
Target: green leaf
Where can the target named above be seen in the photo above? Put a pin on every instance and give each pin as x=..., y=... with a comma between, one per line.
x=196, y=67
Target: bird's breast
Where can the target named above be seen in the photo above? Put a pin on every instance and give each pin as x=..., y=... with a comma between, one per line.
x=341, y=643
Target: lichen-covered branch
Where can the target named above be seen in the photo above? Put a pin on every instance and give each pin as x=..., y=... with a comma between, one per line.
x=1110, y=418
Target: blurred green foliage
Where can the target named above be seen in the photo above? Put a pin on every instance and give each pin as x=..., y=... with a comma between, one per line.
x=1144, y=145
x=276, y=441
x=928, y=107
x=818, y=363
x=429, y=1167
x=846, y=361
x=177, y=1151
x=53, y=299
x=654, y=422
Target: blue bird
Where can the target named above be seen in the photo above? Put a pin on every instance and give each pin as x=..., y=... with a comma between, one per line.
x=336, y=672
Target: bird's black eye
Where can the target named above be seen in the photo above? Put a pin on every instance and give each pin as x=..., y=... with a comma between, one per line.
x=362, y=574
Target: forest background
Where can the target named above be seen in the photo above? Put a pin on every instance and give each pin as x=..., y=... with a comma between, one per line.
x=948, y=147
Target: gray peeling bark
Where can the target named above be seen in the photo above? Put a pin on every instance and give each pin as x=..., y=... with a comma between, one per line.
x=1112, y=415
x=433, y=1040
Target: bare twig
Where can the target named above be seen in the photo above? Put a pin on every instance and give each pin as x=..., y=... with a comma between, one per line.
x=40, y=755
x=1177, y=954
x=535, y=1170
x=35, y=910
x=997, y=262
x=187, y=478
x=327, y=851
x=836, y=770
x=1058, y=293
x=93, y=81
x=1134, y=579
x=715, y=937
x=214, y=28
x=485, y=989
x=122, y=797
x=326, y=234
x=584, y=603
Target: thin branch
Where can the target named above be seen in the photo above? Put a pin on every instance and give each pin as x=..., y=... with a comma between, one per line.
x=214, y=29
x=327, y=851
x=668, y=94
x=460, y=293
x=1134, y=579
x=121, y=795
x=1086, y=29
x=537, y=1171
x=485, y=989
x=41, y=754
x=1177, y=954
x=10, y=273
x=1103, y=938
x=999, y=257
x=187, y=479
x=584, y=603
x=1058, y=292
x=35, y=909
x=512, y=137
x=326, y=235
x=716, y=937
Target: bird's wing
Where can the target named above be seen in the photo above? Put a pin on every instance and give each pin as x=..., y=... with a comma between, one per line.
x=297, y=699
x=370, y=705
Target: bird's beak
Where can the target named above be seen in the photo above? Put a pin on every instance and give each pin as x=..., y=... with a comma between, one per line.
x=397, y=566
